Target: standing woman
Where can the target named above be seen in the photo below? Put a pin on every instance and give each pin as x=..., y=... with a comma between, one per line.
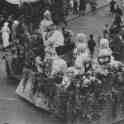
x=45, y=23
x=112, y=7
x=5, y=34
x=14, y=29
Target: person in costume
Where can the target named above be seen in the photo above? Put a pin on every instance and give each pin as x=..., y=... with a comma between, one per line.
x=81, y=52
x=46, y=22
x=81, y=45
x=6, y=34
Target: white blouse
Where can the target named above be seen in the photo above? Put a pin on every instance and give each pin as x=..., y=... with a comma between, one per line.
x=57, y=39
x=58, y=65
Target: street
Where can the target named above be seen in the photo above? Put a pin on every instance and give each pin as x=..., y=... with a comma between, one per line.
x=91, y=23
x=14, y=110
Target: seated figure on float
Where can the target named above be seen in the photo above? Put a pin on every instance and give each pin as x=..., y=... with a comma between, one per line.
x=46, y=22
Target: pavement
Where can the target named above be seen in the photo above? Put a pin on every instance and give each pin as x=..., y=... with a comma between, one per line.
x=91, y=23
x=14, y=110
x=100, y=4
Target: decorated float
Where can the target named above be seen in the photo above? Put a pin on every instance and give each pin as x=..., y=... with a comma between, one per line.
x=81, y=90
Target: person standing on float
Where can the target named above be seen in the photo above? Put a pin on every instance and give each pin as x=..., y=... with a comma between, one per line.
x=5, y=34
x=45, y=23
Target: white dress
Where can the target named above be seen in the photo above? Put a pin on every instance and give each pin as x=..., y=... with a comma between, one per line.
x=57, y=39
x=43, y=26
x=5, y=36
x=58, y=65
x=81, y=54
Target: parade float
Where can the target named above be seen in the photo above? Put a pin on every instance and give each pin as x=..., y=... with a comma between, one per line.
x=82, y=90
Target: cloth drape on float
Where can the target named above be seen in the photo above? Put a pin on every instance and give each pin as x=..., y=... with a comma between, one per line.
x=20, y=1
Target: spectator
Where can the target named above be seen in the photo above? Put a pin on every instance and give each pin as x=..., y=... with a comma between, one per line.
x=14, y=27
x=71, y=5
x=91, y=45
x=112, y=6
x=119, y=10
x=106, y=31
x=5, y=35
x=2, y=19
x=118, y=20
